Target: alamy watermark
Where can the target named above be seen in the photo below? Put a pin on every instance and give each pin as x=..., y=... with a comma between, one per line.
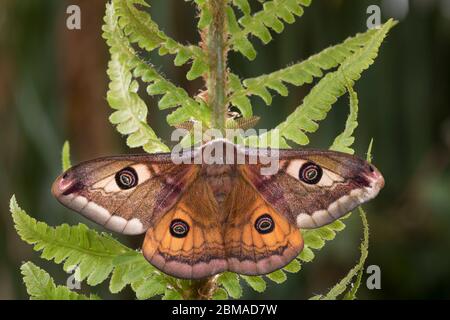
x=374, y=19
x=220, y=148
x=72, y=283
x=73, y=21
x=373, y=281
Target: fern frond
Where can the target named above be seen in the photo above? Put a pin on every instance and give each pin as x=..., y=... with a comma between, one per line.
x=142, y=30
x=344, y=141
x=356, y=271
x=297, y=74
x=273, y=16
x=131, y=115
x=257, y=283
x=96, y=256
x=40, y=286
x=243, y=5
x=172, y=96
x=369, y=151
x=322, y=96
x=73, y=246
x=65, y=156
x=230, y=282
x=205, y=16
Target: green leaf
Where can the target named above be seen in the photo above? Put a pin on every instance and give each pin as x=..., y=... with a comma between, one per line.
x=344, y=141
x=273, y=16
x=139, y=27
x=150, y=287
x=322, y=96
x=220, y=294
x=243, y=5
x=293, y=267
x=95, y=255
x=369, y=152
x=278, y=276
x=198, y=69
x=131, y=115
x=300, y=73
x=313, y=239
x=351, y=294
x=307, y=255
x=171, y=294
x=357, y=270
x=117, y=282
x=40, y=286
x=255, y=282
x=65, y=156
x=205, y=16
x=230, y=282
x=74, y=246
x=126, y=65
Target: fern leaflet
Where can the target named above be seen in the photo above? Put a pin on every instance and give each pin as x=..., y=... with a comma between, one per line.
x=273, y=15
x=297, y=74
x=344, y=141
x=40, y=286
x=142, y=30
x=172, y=96
x=318, y=102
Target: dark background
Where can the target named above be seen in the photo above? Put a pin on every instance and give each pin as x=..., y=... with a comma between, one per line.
x=53, y=87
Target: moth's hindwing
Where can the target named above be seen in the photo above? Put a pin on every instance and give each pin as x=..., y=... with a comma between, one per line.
x=187, y=242
x=258, y=239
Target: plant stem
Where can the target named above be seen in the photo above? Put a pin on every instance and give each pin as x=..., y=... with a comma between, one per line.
x=202, y=289
x=217, y=51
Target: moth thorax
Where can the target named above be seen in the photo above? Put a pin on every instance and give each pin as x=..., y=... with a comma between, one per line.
x=220, y=153
x=220, y=180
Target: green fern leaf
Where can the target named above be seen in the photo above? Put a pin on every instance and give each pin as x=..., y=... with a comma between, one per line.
x=220, y=294
x=243, y=5
x=150, y=286
x=293, y=267
x=205, y=16
x=117, y=282
x=65, y=156
x=300, y=73
x=171, y=294
x=307, y=255
x=95, y=255
x=256, y=283
x=369, y=152
x=344, y=141
x=172, y=96
x=273, y=16
x=40, y=286
x=142, y=30
x=356, y=271
x=131, y=115
x=278, y=276
x=75, y=246
x=318, y=102
x=230, y=282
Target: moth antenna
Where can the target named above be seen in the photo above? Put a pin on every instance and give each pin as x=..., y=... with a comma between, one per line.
x=187, y=125
x=243, y=123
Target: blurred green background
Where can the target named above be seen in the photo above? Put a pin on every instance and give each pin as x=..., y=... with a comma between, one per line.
x=53, y=87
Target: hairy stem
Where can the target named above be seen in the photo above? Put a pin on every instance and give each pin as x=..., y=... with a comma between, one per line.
x=201, y=289
x=217, y=50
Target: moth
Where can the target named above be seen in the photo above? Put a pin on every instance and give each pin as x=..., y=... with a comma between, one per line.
x=205, y=217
